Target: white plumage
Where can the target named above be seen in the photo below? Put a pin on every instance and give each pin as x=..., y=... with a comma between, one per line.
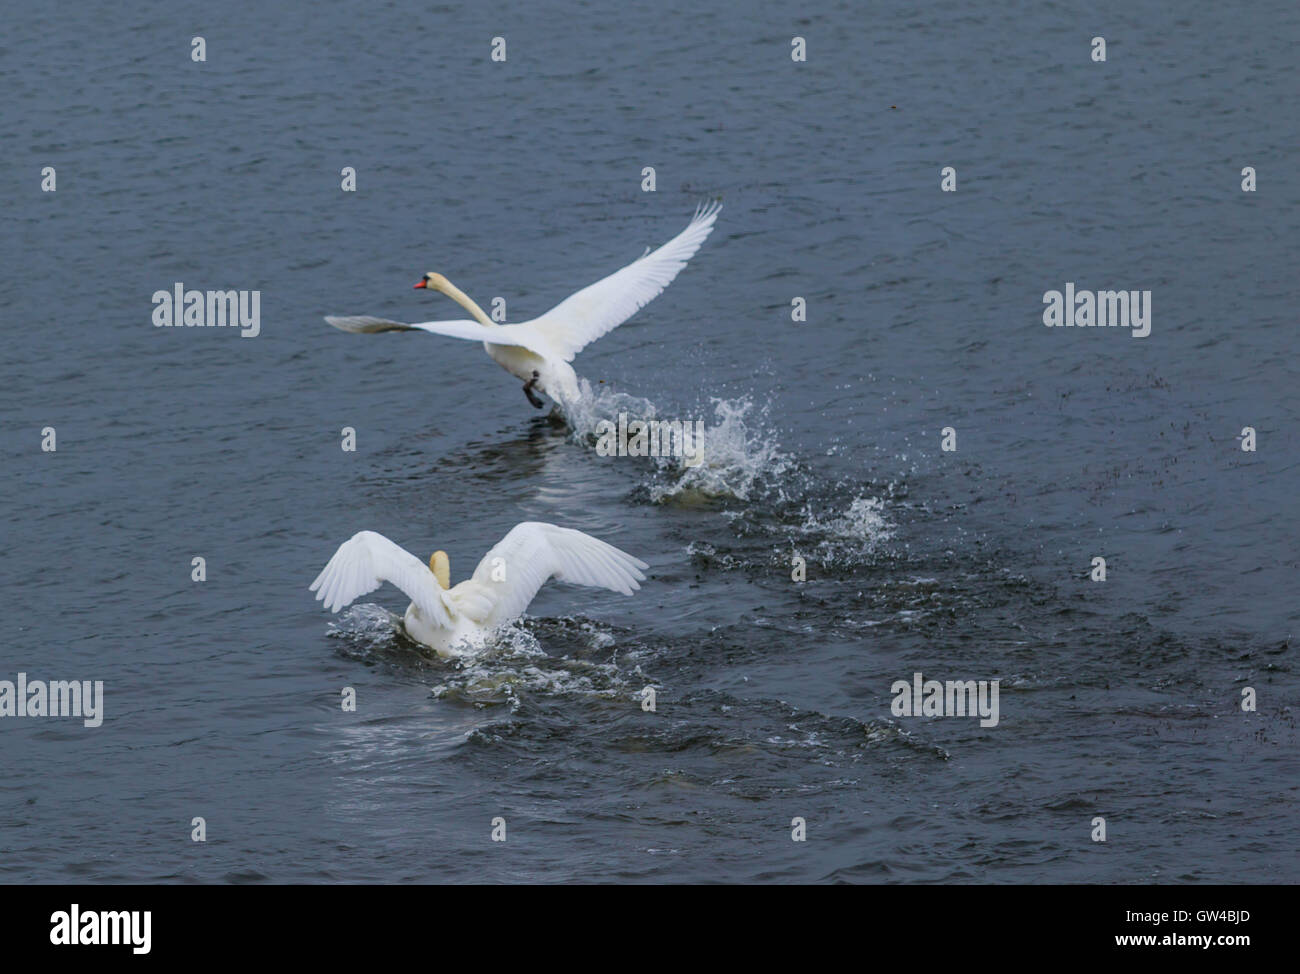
x=456, y=620
x=539, y=351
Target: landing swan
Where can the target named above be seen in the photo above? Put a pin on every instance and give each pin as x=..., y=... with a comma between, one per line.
x=456, y=621
x=538, y=352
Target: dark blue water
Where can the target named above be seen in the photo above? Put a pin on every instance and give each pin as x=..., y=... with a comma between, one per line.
x=522, y=179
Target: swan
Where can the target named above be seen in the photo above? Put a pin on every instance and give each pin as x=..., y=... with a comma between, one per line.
x=456, y=621
x=538, y=352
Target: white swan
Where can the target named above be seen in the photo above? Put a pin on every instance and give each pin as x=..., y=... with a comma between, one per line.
x=456, y=621
x=539, y=351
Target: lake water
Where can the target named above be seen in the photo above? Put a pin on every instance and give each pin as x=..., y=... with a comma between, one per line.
x=522, y=179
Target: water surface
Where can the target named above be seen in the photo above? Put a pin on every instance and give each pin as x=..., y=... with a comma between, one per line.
x=522, y=179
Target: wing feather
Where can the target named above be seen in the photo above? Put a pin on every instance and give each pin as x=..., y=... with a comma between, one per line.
x=534, y=552
x=599, y=308
x=471, y=330
x=580, y=318
x=365, y=324
x=365, y=561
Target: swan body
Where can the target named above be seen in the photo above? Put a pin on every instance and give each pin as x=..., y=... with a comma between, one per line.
x=538, y=352
x=457, y=620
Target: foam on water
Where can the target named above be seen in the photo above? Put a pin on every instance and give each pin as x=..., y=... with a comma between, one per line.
x=513, y=663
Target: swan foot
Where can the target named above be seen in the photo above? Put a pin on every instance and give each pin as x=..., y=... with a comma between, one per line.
x=528, y=391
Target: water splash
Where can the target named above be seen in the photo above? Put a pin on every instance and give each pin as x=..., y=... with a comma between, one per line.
x=510, y=666
x=859, y=532
x=367, y=629
x=593, y=406
x=742, y=460
x=781, y=497
x=741, y=455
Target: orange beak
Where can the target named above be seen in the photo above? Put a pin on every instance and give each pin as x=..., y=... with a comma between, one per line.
x=422, y=283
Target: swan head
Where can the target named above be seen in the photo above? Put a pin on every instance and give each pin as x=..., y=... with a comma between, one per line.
x=440, y=565
x=434, y=282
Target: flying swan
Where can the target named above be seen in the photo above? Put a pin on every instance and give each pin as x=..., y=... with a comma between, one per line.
x=456, y=621
x=538, y=352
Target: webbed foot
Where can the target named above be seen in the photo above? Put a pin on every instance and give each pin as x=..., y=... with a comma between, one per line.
x=528, y=391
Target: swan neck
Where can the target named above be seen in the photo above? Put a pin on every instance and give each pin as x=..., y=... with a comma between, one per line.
x=466, y=302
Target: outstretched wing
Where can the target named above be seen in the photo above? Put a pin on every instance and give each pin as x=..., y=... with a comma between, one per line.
x=366, y=324
x=471, y=330
x=367, y=560
x=533, y=552
x=583, y=317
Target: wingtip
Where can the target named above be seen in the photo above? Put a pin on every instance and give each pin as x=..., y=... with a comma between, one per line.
x=707, y=210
